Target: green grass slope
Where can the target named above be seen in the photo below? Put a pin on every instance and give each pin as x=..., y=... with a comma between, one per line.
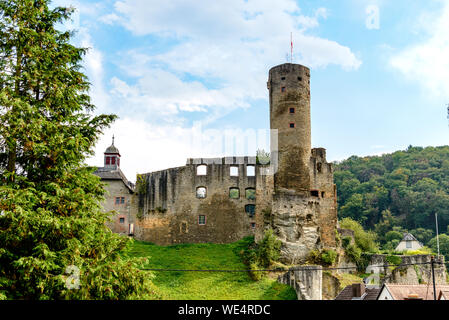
x=206, y=285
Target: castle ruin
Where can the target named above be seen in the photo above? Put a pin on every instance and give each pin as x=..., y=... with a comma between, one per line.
x=222, y=200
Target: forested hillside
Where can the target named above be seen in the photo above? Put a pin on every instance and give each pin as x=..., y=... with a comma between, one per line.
x=396, y=192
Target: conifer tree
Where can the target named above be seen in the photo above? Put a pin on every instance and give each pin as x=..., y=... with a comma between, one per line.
x=53, y=240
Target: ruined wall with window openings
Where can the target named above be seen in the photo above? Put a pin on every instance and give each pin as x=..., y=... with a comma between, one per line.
x=225, y=199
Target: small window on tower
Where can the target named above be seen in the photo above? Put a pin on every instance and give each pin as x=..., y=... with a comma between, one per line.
x=108, y=160
x=292, y=124
x=117, y=200
x=283, y=89
x=319, y=166
x=113, y=160
x=283, y=78
x=122, y=220
x=122, y=200
x=314, y=193
x=292, y=110
x=201, y=220
x=299, y=79
x=323, y=194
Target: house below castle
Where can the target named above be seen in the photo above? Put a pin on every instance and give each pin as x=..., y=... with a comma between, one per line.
x=120, y=193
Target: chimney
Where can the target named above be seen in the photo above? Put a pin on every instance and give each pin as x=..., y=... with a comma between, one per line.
x=358, y=290
x=413, y=296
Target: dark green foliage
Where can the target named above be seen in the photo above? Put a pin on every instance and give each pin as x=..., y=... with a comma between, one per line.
x=346, y=241
x=50, y=213
x=325, y=257
x=403, y=189
x=261, y=255
x=444, y=245
x=423, y=235
x=365, y=240
x=363, y=261
x=364, y=244
x=353, y=252
x=393, y=260
x=393, y=235
x=268, y=250
x=391, y=245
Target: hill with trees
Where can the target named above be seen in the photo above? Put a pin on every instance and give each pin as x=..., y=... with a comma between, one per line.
x=396, y=192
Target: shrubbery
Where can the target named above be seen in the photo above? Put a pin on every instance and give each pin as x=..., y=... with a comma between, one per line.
x=365, y=240
x=326, y=257
x=260, y=255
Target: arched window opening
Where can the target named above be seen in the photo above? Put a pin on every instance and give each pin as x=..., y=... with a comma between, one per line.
x=250, y=209
x=234, y=193
x=201, y=192
x=250, y=193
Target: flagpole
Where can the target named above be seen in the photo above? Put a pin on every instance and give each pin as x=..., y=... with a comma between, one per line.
x=438, y=242
x=291, y=47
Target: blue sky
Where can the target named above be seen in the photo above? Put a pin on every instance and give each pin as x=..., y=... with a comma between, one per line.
x=184, y=75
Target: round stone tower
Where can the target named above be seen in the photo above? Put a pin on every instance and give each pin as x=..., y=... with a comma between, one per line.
x=289, y=86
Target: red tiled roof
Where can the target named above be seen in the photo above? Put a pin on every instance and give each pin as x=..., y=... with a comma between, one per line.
x=370, y=294
x=423, y=291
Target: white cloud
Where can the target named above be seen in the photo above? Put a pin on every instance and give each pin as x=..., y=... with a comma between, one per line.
x=427, y=62
x=218, y=60
x=231, y=44
x=147, y=147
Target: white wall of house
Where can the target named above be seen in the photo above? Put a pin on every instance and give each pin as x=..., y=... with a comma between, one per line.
x=385, y=294
x=409, y=245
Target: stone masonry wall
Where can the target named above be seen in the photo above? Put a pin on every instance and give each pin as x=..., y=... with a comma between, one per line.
x=407, y=273
x=170, y=208
x=116, y=188
x=306, y=280
x=322, y=182
x=289, y=89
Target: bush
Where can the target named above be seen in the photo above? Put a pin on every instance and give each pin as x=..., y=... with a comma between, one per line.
x=260, y=255
x=423, y=250
x=325, y=257
x=329, y=257
x=393, y=235
x=391, y=245
x=346, y=241
x=253, y=273
x=365, y=240
x=353, y=252
x=268, y=250
x=393, y=260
